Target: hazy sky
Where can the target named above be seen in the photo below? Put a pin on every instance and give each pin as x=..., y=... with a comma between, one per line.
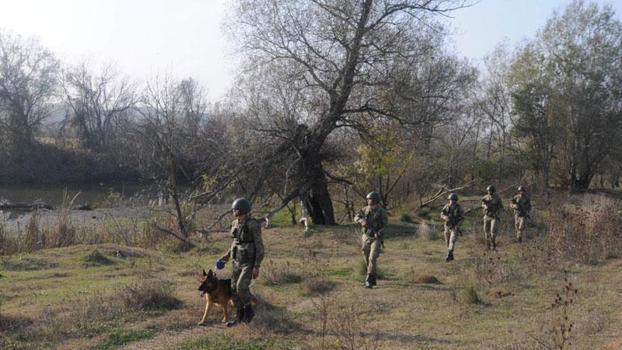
x=184, y=38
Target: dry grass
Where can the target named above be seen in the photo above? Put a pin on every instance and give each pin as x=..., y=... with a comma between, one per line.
x=148, y=295
x=276, y=274
x=310, y=295
x=587, y=233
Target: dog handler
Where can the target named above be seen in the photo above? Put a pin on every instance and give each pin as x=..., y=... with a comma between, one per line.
x=247, y=251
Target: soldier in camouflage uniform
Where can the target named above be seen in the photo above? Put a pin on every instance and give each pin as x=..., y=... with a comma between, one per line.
x=372, y=219
x=453, y=215
x=247, y=251
x=522, y=206
x=491, y=204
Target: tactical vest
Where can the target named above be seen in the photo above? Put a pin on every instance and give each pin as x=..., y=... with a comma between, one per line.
x=493, y=204
x=522, y=202
x=452, y=213
x=244, y=243
x=374, y=221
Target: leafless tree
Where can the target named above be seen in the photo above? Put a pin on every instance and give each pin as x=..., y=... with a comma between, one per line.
x=99, y=103
x=320, y=65
x=28, y=82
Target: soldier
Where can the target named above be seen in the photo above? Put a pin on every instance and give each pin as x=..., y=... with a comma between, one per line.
x=453, y=215
x=522, y=206
x=491, y=204
x=372, y=219
x=247, y=251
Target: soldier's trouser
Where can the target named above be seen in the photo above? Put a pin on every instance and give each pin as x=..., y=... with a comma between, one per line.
x=451, y=234
x=371, y=250
x=519, y=223
x=240, y=283
x=490, y=228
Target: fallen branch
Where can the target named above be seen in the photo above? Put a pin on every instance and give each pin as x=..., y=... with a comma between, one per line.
x=174, y=234
x=25, y=206
x=441, y=192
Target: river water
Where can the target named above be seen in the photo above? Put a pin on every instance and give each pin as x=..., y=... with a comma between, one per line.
x=118, y=201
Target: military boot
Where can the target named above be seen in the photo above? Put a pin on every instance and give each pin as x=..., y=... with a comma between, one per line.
x=494, y=245
x=239, y=314
x=372, y=280
x=450, y=255
x=487, y=244
x=368, y=281
x=520, y=239
x=249, y=313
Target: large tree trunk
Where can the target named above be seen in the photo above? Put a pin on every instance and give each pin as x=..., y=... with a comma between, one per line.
x=317, y=202
x=581, y=183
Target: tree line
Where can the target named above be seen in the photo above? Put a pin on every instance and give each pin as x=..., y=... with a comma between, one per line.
x=333, y=98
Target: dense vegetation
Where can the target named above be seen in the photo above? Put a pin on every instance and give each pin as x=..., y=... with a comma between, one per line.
x=332, y=99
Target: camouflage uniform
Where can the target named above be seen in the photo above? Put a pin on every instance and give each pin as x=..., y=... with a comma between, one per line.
x=522, y=206
x=491, y=203
x=247, y=251
x=453, y=215
x=372, y=237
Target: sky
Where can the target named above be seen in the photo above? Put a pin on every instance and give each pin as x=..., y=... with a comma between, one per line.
x=184, y=38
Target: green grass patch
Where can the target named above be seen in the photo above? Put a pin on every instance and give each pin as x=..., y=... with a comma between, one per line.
x=122, y=337
x=282, y=218
x=228, y=343
x=340, y=272
x=96, y=258
x=362, y=271
x=27, y=264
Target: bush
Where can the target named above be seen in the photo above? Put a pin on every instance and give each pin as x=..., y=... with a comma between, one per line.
x=276, y=274
x=468, y=296
x=148, y=295
x=406, y=218
x=427, y=279
x=586, y=233
x=96, y=258
x=314, y=286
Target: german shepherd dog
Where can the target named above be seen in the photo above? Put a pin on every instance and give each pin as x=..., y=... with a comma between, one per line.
x=216, y=291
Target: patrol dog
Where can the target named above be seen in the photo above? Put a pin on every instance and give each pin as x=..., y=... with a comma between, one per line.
x=216, y=291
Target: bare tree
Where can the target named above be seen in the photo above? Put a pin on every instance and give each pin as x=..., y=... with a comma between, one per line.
x=99, y=102
x=325, y=61
x=28, y=82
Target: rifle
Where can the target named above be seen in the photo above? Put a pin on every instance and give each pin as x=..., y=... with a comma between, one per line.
x=487, y=209
x=521, y=211
x=454, y=225
x=379, y=236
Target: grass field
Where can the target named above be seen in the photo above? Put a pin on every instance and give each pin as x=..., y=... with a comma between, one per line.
x=310, y=296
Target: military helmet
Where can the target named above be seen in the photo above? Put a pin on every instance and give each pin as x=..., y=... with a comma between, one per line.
x=453, y=196
x=521, y=189
x=490, y=189
x=374, y=196
x=241, y=204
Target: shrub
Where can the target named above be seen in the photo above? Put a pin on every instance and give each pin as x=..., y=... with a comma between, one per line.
x=281, y=273
x=148, y=295
x=467, y=296
x=314, y=286
x=96, y=258
x=427, y=279
x=406, y=218
x=586, y=233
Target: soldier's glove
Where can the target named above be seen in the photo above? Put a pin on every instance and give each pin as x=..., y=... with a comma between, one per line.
x=255, y=272
x=225, y=257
